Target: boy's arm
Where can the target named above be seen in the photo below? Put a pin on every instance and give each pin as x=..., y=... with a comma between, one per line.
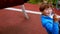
x=47, y=24
x=55, y=28
x=55, y=24
x=52, y=27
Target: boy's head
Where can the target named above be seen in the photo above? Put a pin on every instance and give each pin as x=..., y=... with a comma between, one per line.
x=45, y=9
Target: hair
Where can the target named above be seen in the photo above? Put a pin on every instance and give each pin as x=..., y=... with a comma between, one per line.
x=44, y=6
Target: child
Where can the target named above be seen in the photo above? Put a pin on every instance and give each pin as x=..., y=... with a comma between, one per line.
x=50, y=24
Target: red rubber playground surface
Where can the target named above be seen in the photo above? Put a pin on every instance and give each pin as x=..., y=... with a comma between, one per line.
x=13, y=22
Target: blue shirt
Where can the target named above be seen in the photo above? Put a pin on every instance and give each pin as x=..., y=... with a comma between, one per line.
x=50, y=26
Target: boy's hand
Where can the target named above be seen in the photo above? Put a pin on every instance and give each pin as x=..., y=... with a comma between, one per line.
x=55, y=18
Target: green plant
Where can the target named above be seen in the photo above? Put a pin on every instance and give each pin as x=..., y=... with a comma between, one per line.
x=35, y=1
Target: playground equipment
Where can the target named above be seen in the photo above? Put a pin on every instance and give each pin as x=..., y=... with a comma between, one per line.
x=10, y=3
x=12, y=24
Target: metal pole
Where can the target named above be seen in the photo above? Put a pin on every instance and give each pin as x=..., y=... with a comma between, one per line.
x=25, y=14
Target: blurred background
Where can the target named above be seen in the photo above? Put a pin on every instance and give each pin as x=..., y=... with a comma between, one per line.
x=55, y=3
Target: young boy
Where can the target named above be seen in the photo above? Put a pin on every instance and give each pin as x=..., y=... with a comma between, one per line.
x=50, y=24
